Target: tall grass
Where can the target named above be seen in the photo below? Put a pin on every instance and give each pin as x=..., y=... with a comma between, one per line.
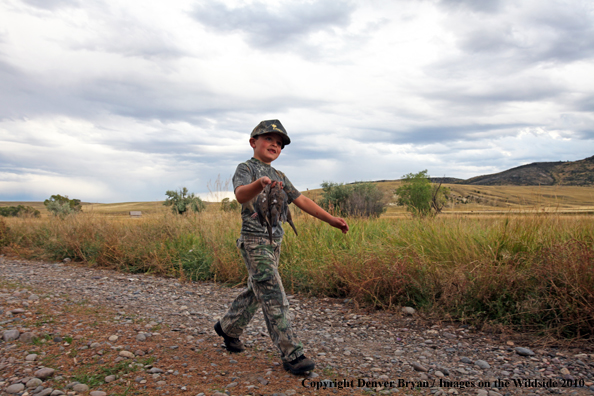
x=530, y=272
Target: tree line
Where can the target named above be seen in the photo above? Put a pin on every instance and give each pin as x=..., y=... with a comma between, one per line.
x=417, y=193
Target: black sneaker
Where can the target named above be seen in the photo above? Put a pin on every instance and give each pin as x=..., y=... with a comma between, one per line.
x=232, y=344
x=299, y=365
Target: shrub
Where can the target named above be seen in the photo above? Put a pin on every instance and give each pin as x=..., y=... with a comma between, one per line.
x=421, y=197
x=20, y=210
x=180, y=201
x=360, y=199
x=62, y=206
x=229, y=206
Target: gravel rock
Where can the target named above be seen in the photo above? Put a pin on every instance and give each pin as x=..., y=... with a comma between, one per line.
x=408, y=310
x=27, y=337
x=109, y=378
x=80, y=388
x=524, y=351
x=419, y=367
x=34, y=383
x=15, y=388
x=126, y=354
x=44, y=373
x=482, y=364
x=98, y=393
x=11, y=335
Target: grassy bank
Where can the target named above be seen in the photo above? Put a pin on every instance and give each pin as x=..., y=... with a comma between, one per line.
x=531, y=272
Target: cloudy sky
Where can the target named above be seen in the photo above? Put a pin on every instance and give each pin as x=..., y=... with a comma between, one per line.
x=112, y=101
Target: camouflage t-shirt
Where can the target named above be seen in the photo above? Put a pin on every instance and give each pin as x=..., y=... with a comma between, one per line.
x=248, y=172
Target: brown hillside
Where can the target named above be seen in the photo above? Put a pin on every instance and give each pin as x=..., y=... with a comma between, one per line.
x=575, y=173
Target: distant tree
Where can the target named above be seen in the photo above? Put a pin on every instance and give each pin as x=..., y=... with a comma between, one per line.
x=62, y=206
x=359, y=199
x=20, y=210
x=334, y=197
x=180, y=201
x=229, y=206
x=439, y=197
x=421, y=197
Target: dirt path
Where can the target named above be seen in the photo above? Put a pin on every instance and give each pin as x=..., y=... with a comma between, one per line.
x=155, y=337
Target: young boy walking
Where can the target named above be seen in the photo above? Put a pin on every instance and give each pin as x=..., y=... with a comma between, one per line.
x=261, y=257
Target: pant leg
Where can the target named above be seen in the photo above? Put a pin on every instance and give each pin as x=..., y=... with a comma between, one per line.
x=244, y=306
x=264, y=281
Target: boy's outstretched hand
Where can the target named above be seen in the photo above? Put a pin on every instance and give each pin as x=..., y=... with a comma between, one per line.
x=312, y=208
x=340, y=224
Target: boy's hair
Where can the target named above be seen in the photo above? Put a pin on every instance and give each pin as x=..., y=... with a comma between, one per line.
x=270, y=126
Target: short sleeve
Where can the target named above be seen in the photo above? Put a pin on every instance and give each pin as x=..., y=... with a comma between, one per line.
x=243, y=176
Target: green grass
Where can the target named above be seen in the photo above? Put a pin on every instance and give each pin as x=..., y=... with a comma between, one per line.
x=91, y=380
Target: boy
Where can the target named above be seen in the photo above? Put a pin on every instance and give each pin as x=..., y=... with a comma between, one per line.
x=261, y=257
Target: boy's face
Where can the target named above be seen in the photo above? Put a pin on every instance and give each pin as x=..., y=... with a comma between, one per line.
x=267, y=147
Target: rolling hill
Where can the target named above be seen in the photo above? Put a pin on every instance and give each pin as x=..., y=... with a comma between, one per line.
x=571, y=173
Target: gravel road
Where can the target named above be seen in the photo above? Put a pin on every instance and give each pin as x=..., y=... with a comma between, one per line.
x=355, y=350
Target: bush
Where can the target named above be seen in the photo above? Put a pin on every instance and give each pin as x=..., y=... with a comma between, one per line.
x=180, y=201
x=421, y=197
x=20, y=210
x=229, y=206
x=62, y=206
x=360, y=199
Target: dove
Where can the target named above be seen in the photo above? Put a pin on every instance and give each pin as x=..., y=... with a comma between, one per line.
x=271, y=207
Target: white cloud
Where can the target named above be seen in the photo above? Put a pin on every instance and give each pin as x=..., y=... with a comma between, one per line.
x=112, y=101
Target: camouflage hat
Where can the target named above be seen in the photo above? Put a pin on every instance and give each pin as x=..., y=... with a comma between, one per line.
x=270, y=126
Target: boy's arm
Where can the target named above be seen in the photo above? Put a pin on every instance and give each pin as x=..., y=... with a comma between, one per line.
x=309, y=206
x=248, y=191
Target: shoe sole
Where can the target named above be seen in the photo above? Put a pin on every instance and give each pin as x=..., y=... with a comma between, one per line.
x=302, y=370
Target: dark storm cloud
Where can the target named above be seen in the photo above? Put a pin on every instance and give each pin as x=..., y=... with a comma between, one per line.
x=275, y=28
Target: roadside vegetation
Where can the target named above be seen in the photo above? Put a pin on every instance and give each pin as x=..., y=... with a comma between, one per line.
x=19, y=211
x=531, y=272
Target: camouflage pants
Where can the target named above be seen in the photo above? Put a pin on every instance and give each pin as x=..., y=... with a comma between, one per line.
x=264, y=288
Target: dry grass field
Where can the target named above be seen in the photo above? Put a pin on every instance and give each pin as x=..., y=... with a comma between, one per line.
x=509, y=256
x=466, y=199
